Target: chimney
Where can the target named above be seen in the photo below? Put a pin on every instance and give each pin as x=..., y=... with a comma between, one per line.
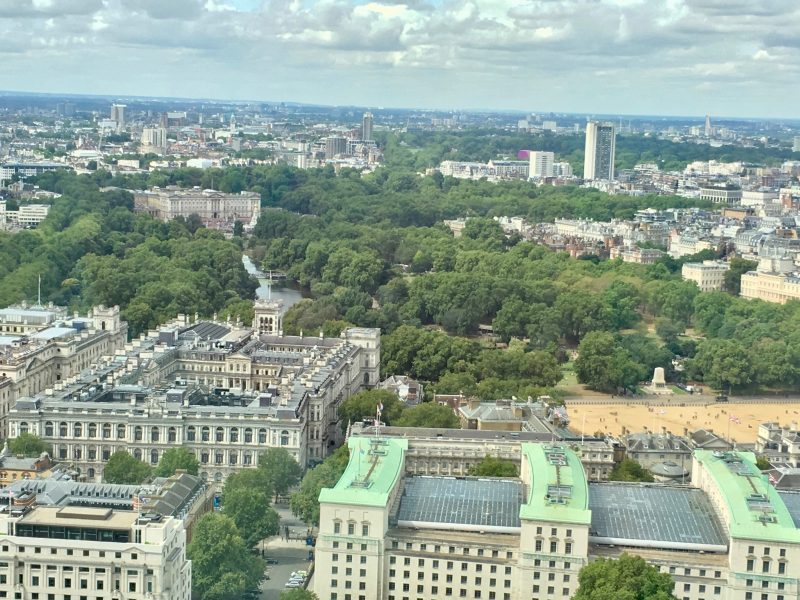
x=473, y=403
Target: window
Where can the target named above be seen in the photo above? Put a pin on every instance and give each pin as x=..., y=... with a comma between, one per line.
x=750, y=564
x=337, y=527
x=553, y=546
x=137, y=433
x=120, y=432
x=234, y=435
x=351, y=528
x=219, y=434
x=365, y=529
x=568, y=548
x=92, y=430
x=172, y=435
x=262, y=436
x=284, y=438
x=248, y=436
x=765, y=566
x=77, y=430
x=106, y=430
x=154, y=456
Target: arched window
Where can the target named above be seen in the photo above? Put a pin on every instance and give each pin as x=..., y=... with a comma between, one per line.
x=247, y=458
x=204, y=458
x=48, y=429
x=154, y=434
x=62, y=429
x=234, y=435
x=218, y=477
x=23, y=427
x=233, y=458
x=77, y=430
x=220, y=434
x=90, y=473
x=76, y=453
x=262, y=436
x=206, y=433
x=154, y=456
x=204, y=476
x=137, y=454
x=284, y=438
x=106, y=430
x=92, y=430
x=248, y=436
x=218, y=458
x=172, y=435
x=137, y=433
x=120, y=432
x=190, y=433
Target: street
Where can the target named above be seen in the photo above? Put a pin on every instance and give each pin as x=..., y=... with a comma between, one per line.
x=291, y=555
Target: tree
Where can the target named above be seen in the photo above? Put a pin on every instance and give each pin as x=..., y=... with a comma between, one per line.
x=429, y=414
x=733, y=276
x=222, y=566
x=124, y=469
x=722, y=364
x=298, y=594
x=364, y=405
x=305, y=501
x=629, y=470
x=175, y=459
x=491, y=466
x=626, y=578
x=280, y=469
x=762, y=463
x=250, y=510
x=28, y=444
x=604, y=365
x=238, y=229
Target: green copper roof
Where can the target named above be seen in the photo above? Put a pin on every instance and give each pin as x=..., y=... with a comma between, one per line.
x=559, y=492
x=755, y=508
x=375, y=467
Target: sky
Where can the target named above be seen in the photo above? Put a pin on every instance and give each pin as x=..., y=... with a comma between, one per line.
x=672, y=57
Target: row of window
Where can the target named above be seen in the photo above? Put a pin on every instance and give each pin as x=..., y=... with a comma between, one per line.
x=448, y=591
x=192, y=433
x=492, y=582
x=449, y=565
x=465, y=551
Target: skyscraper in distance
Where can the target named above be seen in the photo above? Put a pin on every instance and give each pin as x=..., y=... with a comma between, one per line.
x=118, y=115
x=601, y=142
x=542, y=164
x=366, y=127
x=708, y=130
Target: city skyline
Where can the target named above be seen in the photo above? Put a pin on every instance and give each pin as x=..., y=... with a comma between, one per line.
x=614, y=57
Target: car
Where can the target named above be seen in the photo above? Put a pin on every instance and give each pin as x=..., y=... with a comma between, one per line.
x=302, y=573
x=293, y=584
x=271, y=561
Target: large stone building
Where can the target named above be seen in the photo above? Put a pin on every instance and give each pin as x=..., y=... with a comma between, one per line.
x=43, y=346
x=779, y=445
x=90, y=552
x=217, y=210
x=709, y=275
x=771, y=286
x=386, y=534
x=223, y=391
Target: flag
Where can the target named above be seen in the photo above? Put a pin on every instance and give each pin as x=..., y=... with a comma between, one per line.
x=137, y=502
x=735, y=419
x=772, y=479
x=380, y=407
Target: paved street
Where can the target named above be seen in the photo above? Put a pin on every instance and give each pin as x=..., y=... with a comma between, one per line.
x=292, y=555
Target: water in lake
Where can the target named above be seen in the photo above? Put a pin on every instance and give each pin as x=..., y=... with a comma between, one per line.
x=286, y=291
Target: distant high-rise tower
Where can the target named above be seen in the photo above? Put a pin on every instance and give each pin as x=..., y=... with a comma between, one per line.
x=601, y=143
x=118, y=115
x=366, y=127
x=709, y=130
x=796, y=145
x=335, y=145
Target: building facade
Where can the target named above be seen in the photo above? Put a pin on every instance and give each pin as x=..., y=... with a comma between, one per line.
x=221, y=390
x=770, y=287
x=709, y=275
x=727, y=195
x=387, y=534
x=40, y=347
x=542, y=164
x=217, y=210
x=82, y=552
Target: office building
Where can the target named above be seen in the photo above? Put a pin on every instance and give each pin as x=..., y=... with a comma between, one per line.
x=366, y=127
x=796, y=144
x=335, y=145
x=223, y=391
x=387, y=534
x=722, y=194
x=92, y=552
x=154, y=139
x=771, y=286
x=708, y=131
x=599, y=151
x=218, y=210
x=118, y=115
x=27, y=169
x=541, y=164
x=709, y=275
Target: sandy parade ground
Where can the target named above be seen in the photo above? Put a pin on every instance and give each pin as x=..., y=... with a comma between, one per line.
x=741, y=421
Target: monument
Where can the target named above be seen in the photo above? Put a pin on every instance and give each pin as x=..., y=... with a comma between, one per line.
x=658, y=385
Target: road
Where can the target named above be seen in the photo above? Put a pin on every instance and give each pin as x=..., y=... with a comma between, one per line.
x=292, y=555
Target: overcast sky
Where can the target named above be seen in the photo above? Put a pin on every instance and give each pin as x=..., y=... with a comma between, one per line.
x=677, y=57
